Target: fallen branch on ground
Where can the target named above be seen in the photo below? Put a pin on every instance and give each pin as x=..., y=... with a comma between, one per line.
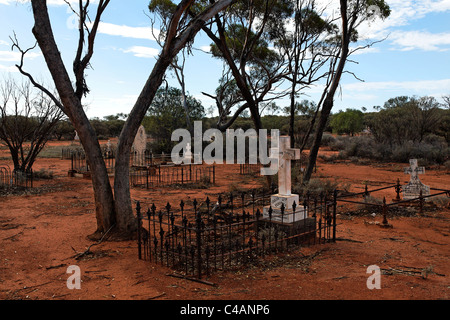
x=88, y=250
x=412, y=271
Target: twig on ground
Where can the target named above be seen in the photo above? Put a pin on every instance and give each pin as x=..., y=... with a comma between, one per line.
x=191, y=279
x=88, y=250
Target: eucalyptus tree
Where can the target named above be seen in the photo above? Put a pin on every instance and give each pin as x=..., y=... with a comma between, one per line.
x=253, y=71
x=114, y=212
x=303, y=41
x=352, y=14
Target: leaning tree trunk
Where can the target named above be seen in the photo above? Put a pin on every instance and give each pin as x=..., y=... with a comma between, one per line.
x=124, y=211
x=172, y=46
x=292, y=118
x=114, y=211
x=104, y=201
x=326, y=109
x=329, y=100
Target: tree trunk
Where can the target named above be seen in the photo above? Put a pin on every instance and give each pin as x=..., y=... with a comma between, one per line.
x=173, y=45
x=292, y=118
x=329, y=100
x=126, y=222
x=114, y=211
x=326, y=109
x=104, y=201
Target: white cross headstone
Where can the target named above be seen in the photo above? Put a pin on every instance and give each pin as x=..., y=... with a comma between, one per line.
x=413, y=188
x=414, y=170
x=285, y=154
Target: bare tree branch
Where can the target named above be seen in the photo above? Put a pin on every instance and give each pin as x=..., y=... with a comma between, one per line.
x=29, y=76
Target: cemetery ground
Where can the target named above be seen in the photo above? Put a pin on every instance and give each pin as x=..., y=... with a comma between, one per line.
x=43, y=231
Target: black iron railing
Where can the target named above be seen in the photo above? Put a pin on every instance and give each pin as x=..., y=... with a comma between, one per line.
x=15, y=178
x=206, y=237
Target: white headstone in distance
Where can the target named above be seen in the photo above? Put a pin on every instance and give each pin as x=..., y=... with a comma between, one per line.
x=187, y=154
x=76, y=139
x=108, y=150
x=140, y=145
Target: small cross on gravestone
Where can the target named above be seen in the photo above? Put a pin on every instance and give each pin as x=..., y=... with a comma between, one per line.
x=413, y=188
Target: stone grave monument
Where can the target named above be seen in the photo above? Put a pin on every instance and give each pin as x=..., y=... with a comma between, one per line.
x=187, y=159
x=76, y=139
x=294, y=222
x=414, y=186
x=139, y=147
x=108, y=150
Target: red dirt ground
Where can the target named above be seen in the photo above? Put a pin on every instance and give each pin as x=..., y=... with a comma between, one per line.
x=41, y=232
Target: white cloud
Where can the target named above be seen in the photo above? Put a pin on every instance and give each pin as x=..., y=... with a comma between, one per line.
x=49, y=2
x=128, y=32
x=421, y=87
x=206, y=48
x=142, y=52
x=403, y=13
x=8, y=2
x=423, y=40
x=8, y=68
x=12, y=56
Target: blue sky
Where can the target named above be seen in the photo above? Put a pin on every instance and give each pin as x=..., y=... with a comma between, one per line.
x=413, y=60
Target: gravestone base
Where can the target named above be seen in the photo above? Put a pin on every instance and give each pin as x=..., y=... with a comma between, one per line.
x=288, y=215
x=86, y=175
x=277, y=200
x=412, y=191
x=299, y=231
x=71, y=173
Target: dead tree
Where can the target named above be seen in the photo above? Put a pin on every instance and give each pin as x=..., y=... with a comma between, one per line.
x=28, y=118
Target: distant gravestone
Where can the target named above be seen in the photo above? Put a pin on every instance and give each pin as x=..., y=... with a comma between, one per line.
x=187, y=154
x=108, y=149
x=139, y=146
x=76, y=139
x=413, y=188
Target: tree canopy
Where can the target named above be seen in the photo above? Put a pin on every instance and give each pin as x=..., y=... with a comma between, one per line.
x=167, y=113
x=350, y=122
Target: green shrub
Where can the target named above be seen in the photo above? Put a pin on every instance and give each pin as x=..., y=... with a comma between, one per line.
x=43, y=174
x=432, y=150
x=315, y=187
x=327, y=139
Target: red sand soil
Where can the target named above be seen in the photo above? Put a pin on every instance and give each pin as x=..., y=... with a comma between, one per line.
x=40, y=233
